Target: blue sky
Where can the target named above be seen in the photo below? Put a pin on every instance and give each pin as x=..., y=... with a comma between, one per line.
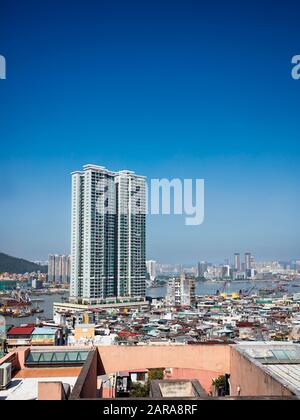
x=169, y=89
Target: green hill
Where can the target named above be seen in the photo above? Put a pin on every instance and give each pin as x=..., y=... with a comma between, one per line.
x=10, y=264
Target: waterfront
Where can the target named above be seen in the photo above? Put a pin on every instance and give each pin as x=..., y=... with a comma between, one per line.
x=202, y=288
x=46, y=305
x=211, y=288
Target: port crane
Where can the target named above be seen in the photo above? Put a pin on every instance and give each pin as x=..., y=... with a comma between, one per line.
x=248, y=292
x=222, y=291
x=224, y=286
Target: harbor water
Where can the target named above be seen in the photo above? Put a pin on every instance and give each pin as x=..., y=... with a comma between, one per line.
x=211, y=288
x=202, y=288
x=46, y=305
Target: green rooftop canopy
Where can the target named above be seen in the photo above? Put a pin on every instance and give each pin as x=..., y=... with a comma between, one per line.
x=58, y=357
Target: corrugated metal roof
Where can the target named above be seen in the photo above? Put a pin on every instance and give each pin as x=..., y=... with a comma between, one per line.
x=290, y=374
x=44, y=331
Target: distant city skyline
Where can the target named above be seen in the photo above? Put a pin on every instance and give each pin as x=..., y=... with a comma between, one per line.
x=224, y=261
x=172, y=92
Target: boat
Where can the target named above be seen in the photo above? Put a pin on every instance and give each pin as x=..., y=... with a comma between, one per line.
x=266, y=291
x=5, y=313
x=21, y=314
x=280, y=289
x=38, y=311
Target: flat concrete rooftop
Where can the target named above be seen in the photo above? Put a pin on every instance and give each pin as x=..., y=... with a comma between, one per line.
x=27, y=388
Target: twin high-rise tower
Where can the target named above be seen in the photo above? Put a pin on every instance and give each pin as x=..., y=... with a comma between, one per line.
x=238, y=264
x=108, y=253
x=59, y=268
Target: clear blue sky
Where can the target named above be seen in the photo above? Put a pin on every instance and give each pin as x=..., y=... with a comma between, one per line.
x=168, y=89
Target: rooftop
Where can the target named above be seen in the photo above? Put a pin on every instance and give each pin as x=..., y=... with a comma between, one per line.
x=177, y=389
x=27, y=388
x=26, y=330
x=279, y=360
x=256, y=369
x=44, y=331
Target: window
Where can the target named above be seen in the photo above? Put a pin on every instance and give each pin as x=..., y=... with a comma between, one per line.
x=141, y=376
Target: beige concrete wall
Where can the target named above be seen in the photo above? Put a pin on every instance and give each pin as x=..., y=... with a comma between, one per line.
x=16, y=357
x=12, y=358
x=206, y=361
x=50, y=391
x=205, y=377
x=252, y=380
x=90, y=386
x=84, y=332
x=86, y=384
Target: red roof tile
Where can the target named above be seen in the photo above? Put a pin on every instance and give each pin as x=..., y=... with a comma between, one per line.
x=126, y=334
x=20, y=330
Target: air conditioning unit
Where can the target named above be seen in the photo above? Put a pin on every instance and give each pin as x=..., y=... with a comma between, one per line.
x=5, y=375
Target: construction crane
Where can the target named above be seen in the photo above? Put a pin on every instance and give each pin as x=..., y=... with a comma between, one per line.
x=224, y=286
x=222, y=291
x=250, y=291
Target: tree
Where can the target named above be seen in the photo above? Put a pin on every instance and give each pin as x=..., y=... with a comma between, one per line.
x=155, y=374
x=138, y=390
x=221, y=385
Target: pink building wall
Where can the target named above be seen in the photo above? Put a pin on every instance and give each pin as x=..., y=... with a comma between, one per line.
x=89, y=386
x=16, y=358
x=252, y=380
x=202, y=362
x=203, y=376
x=50, y=391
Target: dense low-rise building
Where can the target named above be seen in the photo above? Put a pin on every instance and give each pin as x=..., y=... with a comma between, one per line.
x=19, y=336
x=44, y=336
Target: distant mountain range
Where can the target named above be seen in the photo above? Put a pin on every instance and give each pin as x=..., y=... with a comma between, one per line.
x=10, y=264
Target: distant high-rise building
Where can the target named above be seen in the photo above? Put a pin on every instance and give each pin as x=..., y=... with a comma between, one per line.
x=226, y=271
x=36, y=284
x=51, y=268
x=247, y=260
x=202, y=269
x=151, y=269
x=58, y=268
x=108, y=235
x=250, y=272
x=237, y=261
x=131, y=234
x=181, y=291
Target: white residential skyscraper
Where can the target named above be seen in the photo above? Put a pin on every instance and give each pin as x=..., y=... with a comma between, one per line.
x=151, y=269
x=237, y=261
x=247, y=260
x=108, y=235
x=58, y=268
